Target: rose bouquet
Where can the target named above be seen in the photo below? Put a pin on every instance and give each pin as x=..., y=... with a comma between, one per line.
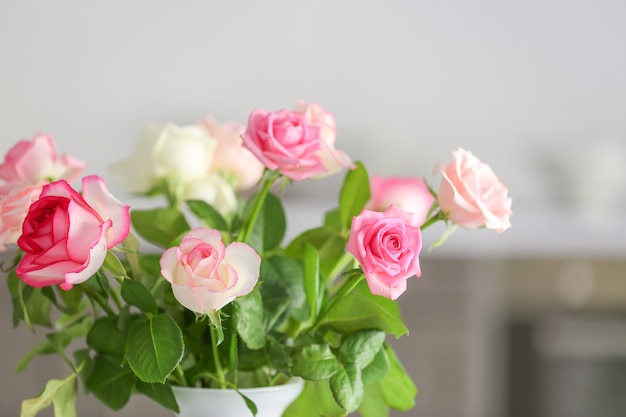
x=204, y=292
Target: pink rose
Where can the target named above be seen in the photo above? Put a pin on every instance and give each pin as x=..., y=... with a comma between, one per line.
x=65, y=235
x=408, y=194
x=206, y=275
x=29, y=162
x=13, y=210
x=334, y=160
x=387, y=245
x=231, y=159
x=287, y=141
x=471, y=195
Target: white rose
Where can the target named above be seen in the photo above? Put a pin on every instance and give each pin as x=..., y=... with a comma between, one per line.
x=213, y=189
x=176, y=154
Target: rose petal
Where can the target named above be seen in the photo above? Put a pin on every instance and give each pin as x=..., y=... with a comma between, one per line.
x=98, y=197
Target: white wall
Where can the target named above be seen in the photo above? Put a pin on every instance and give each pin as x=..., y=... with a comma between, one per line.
x=408, y=80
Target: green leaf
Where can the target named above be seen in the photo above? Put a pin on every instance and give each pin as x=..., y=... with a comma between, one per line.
x=29, y=304
x=58, y=342
x=113, y=265
x=71, y=299
x=332, y=220
x=207, y=214
x=100, y=281
x=281, y=289
x=19, y=292
x=315, y=400
x=330, y=245
x=313, y=286
x=49, y=293
x=278, y=356
x=233, y=350
x=135, y=294
x=110, y=382
x=61, y=393
x=397, y=388
x=106, y=337
x=38, y=308
x=270, y=227
x=161, y=393
x=249, y=319
x=42, y=348
x=159, y=226
x=360, y=348
x=154, y=348
x=81, y=356
x=315, y=362
x=378, y=368
x=373, y=404
x=150, y=271
x=360, y=310
x=249, y=403
x=63, y=338
x=124, y=320
x=347, y=387
x=355, y=193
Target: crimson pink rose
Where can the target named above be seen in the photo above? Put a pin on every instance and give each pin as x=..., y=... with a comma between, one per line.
x=410, y=194
x=65, y=235
x=29, y=162
x=471, y=195
x=205, y=274
x=287, y=141
x=387, y=245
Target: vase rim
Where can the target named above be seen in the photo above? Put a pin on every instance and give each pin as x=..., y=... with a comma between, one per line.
x=295, y=381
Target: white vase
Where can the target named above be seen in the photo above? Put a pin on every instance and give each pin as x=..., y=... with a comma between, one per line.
x=212, y=402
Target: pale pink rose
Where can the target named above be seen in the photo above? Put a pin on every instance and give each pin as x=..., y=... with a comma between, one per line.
x=205, y=274
x=29, y=162
x=13, y=209
x=387, y=245
x=287, y=141
x=334, y=160
x=316, y=115
x=65, y=235
x=409, y=194
x=471, y=194
x=232, y=160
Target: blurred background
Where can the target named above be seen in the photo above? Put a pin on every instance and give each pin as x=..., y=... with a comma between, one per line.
x=530, y=323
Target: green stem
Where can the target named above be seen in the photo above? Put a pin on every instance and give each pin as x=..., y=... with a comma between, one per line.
x=131, y=246
x=22, y=304
x=346, y=259
x=160, y=282
x=350, y=283
x=216, y=357
x=434, y=219
x=259, y=199
x=180, y=376
x=93, y=295
x=169, y=189
x=116, y=299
